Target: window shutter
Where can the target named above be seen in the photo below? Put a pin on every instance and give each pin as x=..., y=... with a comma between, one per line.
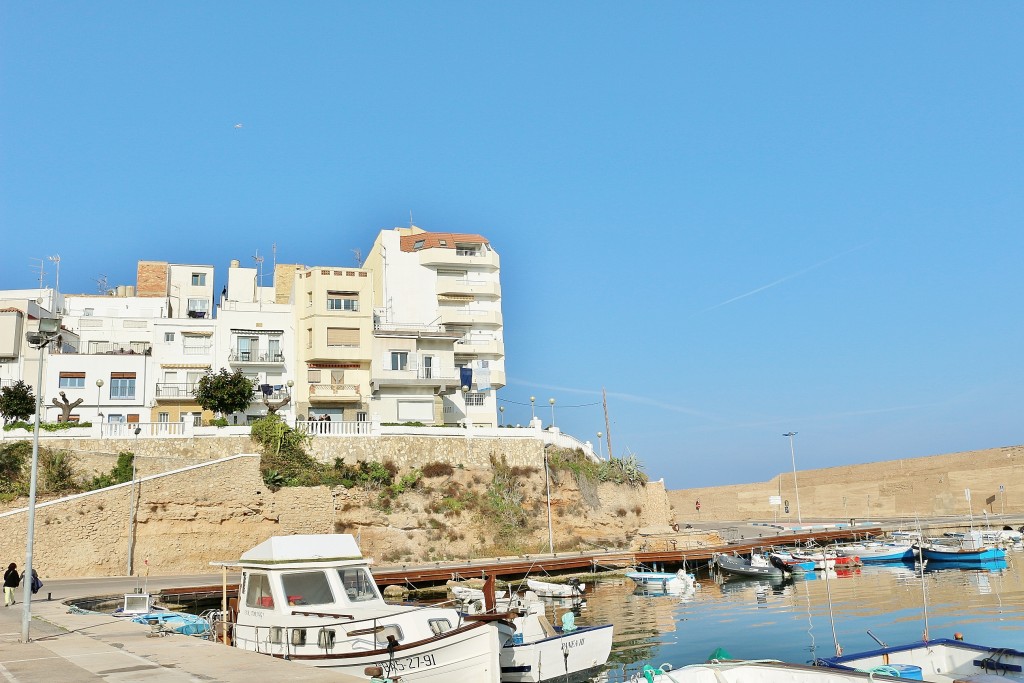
x=342, y=336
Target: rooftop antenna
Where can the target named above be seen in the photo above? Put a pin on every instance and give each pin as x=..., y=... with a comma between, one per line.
x=56, y=260
x=42, y=273
x=359, y=257
x=410, y=218
x=273, y=250
x=101, y=284
x=259, y=283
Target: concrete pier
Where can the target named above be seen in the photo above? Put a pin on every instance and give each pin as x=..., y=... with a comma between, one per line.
x=97, y=647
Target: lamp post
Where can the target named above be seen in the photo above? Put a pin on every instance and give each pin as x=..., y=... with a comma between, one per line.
x=796, y=490
x=552, y=402
x=600, y=446
x=99, y=415
x=501, y=414
x=465, y=405
x=131, y=509
x=48, y=329
x=533, y=414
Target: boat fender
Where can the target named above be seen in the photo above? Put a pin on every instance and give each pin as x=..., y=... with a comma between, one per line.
x=650, y=672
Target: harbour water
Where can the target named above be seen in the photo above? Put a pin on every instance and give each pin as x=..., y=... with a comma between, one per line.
x=790, y=620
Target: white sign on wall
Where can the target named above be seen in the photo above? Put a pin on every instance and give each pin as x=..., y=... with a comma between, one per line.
x=775, y=500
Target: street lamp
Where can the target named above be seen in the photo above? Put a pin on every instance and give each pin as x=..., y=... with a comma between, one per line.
x=131, y=510
x=552, y=402
x=501, y=414
x=796, y=490
x=465, y=404
x=533, y=415
x=49, y=328
x=99, y=387
x=600, y=446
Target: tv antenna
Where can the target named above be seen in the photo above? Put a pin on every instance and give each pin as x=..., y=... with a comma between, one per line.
x=359, y=257
x=56, y=261
x=259, y=283
x=101, y=284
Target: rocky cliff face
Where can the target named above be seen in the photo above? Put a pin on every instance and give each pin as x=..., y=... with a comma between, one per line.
x=216, y=511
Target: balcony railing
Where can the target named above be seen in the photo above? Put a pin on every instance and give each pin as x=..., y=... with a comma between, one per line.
x=418, y=373
x=108, y=348
x=237, y=356
x=344, y=392
x=333, y=428
x=172, y=390
x=124, y=430
x=259, y=395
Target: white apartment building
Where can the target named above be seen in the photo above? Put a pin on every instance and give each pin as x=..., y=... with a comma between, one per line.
x=437, y=329
x=255, y=334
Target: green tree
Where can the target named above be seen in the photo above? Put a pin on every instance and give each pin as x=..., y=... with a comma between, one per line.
x=17, y=402
x=224, y=392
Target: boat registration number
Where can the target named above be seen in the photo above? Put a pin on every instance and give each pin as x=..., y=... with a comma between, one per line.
x=397, y=666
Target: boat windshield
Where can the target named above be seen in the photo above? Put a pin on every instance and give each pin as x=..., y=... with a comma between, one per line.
x=359, y=585
x=307, y=588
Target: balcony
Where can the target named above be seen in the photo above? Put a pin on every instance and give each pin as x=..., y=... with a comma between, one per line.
x=259, y=395
x=451, y=315
x=416, y=377
x=468, y=287
x=484, y=344
x=255, y=357
x=335, y=393
x=175, y=391
x=100, y=348
x=412, y=331
x=459, y=258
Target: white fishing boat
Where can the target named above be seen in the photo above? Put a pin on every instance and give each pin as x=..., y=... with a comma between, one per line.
x=672, y=583
x=573, y=588
x=878, y=551
x=311, y=599
x=752, y=672
x=541, y=652
x=940, y=661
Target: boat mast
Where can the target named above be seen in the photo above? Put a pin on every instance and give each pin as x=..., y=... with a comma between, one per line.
x=607, y=424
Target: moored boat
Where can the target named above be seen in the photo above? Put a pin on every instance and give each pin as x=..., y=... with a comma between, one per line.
x=969, y=548
x=756, y=565
x=541, y=652
x=573, y=588
x=941, y=661
x=665, y=582
x=738, y=671
x=877, y=551
x=311, y=599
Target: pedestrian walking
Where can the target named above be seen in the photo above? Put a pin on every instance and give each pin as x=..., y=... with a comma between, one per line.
x=11, y=581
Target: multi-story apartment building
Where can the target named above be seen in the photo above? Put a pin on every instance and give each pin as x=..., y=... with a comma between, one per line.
x=437, y=334
x=334, y=331
x=20, y=314
x=255, y=335
x=188, y=289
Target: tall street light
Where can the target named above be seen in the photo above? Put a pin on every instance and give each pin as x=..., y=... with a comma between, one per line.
x=131, y=509
x=501, y=413
x=99, y=415
x=552, y=402
x=49, y=328
x=796, y=490
x=600, y=446
x=533, y=413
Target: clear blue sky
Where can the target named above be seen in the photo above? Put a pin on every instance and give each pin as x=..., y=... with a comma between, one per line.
x=740, y=218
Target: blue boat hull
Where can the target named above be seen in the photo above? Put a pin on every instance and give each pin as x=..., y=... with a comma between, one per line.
x=986, y=555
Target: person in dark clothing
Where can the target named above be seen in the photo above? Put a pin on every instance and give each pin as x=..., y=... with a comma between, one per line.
x=11, y=581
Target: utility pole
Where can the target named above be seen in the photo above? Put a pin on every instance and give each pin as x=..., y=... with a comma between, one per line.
x=607, y=424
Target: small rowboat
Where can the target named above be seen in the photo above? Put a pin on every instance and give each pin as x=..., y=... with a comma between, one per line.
x=544, y=589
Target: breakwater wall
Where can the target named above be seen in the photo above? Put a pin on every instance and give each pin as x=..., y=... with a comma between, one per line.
x=927, y=486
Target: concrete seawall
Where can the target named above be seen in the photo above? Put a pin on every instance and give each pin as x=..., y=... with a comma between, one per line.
x=927, y=486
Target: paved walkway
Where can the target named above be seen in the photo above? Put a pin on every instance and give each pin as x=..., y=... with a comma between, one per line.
x=71, y=647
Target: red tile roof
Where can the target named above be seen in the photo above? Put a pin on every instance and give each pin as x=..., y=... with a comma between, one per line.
x=432, y=240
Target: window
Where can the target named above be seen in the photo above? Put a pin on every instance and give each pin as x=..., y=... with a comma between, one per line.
x=198, y=279
x=257, y=592
x=309, y=299
x=309, y=337
x=428, y=367
x=122, y=385
x=307, y=588
x=88, y=312
x=198, y=308
x=343, y=336
x=326, y=638
x=313, y=376
x=342, y=301
x=399, y=360
x=419, y=244
x=163, y=417
x=474, y=399
x=359, y=587
x=439, y=626
x=168, y=336
x=71, y=380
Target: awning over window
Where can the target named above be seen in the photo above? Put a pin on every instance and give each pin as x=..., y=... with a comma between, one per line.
x=234, y=331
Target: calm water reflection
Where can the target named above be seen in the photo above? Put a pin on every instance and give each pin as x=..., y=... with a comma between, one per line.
x=789, y=620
